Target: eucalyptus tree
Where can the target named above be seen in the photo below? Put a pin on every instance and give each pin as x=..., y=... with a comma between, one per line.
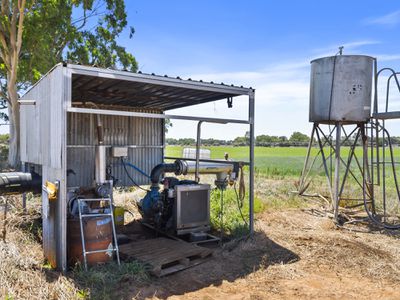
x=37, y=34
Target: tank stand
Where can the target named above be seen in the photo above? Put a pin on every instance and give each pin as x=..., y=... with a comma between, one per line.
x=338, y=168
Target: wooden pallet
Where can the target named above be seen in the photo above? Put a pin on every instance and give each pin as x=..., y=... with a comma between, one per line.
x=165, y=256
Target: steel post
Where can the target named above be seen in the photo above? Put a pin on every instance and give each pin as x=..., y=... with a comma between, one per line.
x=251, y=168
x=303, y=172
x=336, y=181
x=198, y=142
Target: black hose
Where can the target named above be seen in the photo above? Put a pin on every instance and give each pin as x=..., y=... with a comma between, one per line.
x=130, y=177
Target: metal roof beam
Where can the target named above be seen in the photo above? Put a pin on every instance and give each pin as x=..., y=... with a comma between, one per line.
x=158, y=80
x=152, y=115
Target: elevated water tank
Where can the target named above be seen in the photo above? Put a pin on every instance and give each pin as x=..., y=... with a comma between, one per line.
x=341, y=89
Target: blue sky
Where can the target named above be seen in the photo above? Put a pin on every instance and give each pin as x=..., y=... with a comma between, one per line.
x=263, y=44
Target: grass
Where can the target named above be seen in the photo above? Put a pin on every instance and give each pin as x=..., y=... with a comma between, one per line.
x=271, y=161
x=24, y=273
x=234, y=212
x=282, y=161
x=101, y=281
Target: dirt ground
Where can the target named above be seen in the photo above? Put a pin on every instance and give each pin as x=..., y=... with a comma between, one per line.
x=294, y=255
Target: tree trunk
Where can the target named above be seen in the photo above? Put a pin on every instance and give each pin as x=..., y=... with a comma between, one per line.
x=13, y=113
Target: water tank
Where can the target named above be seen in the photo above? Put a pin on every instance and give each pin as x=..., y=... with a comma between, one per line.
x=341, y=89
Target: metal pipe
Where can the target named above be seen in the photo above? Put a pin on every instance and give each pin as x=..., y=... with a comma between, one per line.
x=198, y=142
x=19, y=182
x=226, y=162
x=303, y=172
x=321, y=148
x=109, y=112
x=337, y=169
x=100, y=132
x=162, y=168
x=190, y=167
x=251, y=175
x=100, y=164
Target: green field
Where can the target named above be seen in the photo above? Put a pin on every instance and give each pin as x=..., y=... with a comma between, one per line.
x=270, y=161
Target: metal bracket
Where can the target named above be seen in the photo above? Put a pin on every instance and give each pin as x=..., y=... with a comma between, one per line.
x=229, y=100
x=27, y=102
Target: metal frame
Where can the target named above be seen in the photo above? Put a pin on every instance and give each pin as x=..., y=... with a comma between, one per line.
x=374, y=165
x=222, y=91
x=336, y=183
x=166, y=81
x=179, y=189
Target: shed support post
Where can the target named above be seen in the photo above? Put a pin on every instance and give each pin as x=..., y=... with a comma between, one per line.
x=198, y=143
x=251, y=168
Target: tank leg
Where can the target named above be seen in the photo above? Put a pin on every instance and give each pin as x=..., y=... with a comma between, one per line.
x=336, y=181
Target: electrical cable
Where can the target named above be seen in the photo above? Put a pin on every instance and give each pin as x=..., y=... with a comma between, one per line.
x=221, y=218
x=242, y=187
x=370, y=214
x=240, y=204
x=330, y=106
x=129, y=176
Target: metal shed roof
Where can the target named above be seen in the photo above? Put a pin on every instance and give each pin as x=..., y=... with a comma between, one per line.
x=147, y=91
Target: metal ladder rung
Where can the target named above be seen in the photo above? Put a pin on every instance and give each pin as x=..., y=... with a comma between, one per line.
x=93, y=200
x=81, y=216
x=95, y=215
x=100, y=251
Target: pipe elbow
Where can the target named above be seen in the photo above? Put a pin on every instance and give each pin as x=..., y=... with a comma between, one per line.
x=159, y=169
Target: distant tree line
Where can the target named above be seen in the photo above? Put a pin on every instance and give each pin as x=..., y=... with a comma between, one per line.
x=297, y=139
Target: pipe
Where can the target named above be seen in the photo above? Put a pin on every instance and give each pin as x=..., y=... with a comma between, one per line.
x=198, y=142
x=100, y=164
x=190, y=167
x=183, y=167
x=19, y=182
x=163, y=168
x=100, y=131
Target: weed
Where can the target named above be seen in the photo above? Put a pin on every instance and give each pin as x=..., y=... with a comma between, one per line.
x=101, y=281
x=235, y=214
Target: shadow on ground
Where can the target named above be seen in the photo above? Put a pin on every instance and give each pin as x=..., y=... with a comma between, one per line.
x=234, y=260
x=229, y=263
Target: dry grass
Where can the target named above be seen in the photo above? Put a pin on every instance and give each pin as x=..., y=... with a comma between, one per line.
x=23, y=272
x=295, y=254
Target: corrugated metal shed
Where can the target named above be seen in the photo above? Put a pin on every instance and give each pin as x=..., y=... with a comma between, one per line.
x=143, y=137
x=149, y=91
x=58, y=132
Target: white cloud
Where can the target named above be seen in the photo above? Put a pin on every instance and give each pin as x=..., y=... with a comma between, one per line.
x=390, y=19
x=282, y=92
x=348, y=47
x=282, y=96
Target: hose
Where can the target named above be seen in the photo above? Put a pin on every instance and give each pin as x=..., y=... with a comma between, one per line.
x=371, y=215
x=130, y=177
x=137, y=169
x=239, y=202
x=242, y=187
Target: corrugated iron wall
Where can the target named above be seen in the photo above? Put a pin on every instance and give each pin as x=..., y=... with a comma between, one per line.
x=142, y=136
x=42, y=143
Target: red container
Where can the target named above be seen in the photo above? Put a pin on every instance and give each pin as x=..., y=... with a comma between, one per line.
x=98, y=236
